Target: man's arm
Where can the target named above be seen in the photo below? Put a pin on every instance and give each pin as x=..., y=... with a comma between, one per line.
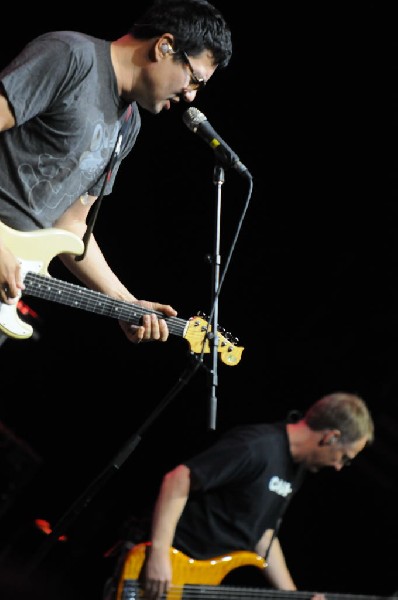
x=6, y=115
x=97, y=275
x=11, y=284
x=169, y=506
x=276, y=571
x=10, y=271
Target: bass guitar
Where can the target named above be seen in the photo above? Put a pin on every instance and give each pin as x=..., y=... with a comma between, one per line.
x=194, y=579
x=36, y=249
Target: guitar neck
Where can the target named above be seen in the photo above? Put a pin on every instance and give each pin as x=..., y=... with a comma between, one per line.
x=76, y=296
x=239, y=593
x=131, y=591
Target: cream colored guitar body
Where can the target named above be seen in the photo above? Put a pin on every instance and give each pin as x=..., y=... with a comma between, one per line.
x=35, y=250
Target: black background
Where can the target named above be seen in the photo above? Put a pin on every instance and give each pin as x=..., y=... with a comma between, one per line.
x=308, y=103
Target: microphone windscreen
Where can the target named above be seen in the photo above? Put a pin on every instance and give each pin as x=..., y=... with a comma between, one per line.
x=192, y=117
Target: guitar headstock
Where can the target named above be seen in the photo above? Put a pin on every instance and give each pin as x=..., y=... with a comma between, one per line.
x=197, y=334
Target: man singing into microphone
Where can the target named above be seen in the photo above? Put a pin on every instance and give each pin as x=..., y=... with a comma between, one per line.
x=63, y=103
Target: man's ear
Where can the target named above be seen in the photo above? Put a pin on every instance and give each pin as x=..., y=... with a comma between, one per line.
x=335, y=437
x=329, y=437
x=165, y=48
x=164, y=45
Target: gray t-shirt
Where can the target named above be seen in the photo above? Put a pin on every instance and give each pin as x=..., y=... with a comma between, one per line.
x=63, y=91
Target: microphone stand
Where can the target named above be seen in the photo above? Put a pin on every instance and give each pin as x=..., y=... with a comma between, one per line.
x=218, y=180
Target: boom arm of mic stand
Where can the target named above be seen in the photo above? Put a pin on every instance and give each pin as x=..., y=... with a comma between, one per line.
x=99, y=482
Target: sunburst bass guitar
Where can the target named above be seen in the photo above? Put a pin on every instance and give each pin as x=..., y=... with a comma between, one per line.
x=194, y=579
x=36, y=249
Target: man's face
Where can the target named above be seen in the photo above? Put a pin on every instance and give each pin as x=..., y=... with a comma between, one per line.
x=169, y=81
x=330, y=452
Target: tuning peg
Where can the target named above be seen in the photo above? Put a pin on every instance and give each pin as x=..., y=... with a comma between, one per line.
x=200, y=313
x=234, y=340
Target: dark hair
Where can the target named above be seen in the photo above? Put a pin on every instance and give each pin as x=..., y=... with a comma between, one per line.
x=195, y=24
x=346, y=412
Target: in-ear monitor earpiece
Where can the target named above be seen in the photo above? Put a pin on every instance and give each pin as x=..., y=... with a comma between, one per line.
x=165, y=48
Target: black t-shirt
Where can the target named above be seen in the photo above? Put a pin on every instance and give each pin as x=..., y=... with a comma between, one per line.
x=239, y=486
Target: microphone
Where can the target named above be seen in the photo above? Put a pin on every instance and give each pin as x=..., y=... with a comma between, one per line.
x=198, y=123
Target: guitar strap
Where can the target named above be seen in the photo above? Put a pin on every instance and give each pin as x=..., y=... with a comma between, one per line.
x=296, y=484
x=112, y=161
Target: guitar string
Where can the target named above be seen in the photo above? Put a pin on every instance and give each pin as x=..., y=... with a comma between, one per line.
x=43, y=286
x=191, y=592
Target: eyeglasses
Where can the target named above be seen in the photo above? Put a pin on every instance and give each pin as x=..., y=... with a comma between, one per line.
x=196, y=83
x=345, y=460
